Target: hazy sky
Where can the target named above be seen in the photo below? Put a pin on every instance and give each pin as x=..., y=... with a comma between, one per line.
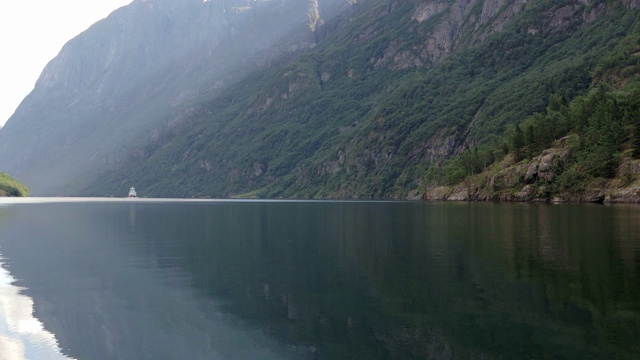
x=32, y=33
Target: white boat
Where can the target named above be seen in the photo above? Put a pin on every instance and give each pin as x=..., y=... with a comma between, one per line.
x=132, y=192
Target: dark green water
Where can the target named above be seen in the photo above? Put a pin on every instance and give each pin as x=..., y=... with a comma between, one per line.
x=324, y=280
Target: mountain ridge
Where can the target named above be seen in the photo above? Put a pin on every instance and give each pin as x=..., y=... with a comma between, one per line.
x=109, y=77
x=365, y=105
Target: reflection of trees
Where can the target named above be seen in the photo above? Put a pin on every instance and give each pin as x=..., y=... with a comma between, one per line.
x=546, y=281
x=399, y=280
x=298, y=271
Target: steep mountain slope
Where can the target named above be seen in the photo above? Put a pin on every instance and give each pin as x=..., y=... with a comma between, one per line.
x=240, y=98
x=140, y=68
x=393, y=88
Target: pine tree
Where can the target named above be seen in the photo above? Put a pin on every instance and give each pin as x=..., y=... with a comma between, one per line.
x=518, y=143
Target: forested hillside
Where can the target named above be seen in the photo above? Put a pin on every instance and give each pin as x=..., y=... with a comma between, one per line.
x=10, y=187
x=394, y=89
x=318, y=99
x=584, y=151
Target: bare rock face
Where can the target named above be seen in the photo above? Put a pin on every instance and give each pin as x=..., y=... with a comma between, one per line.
x=546, y=166
x=532, y=172
x=526, y=194
x=437, y=193
x=455, y=19
x=623, y=189
x=426, y=10
x=508, y=178
x=630, y=194
x=632, y=4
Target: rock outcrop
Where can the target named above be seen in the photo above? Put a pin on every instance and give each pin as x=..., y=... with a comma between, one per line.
x=534, y=180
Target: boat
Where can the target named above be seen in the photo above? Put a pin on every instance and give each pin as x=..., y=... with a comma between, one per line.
x=132, y=192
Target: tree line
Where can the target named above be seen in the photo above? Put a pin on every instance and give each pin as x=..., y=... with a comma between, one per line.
x=599, y=128
x=10, y=187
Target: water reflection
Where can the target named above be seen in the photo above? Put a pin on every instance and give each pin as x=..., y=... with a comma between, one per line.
x=400, y=280
x=104, y=301
x=22, y=336
x=331, y=280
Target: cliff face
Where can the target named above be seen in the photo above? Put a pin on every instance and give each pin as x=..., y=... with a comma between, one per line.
x=241, y=97
x=390, y=88
x=137, y=70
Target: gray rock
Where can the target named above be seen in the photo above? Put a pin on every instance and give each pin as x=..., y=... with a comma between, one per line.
x=532, y=173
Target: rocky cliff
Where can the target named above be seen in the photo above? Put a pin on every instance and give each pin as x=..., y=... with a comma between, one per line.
x=236, y=98
x=535, y=179
x=393, y=87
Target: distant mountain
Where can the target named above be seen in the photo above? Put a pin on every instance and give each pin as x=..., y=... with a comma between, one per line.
x=242, y=98
x=137, y=72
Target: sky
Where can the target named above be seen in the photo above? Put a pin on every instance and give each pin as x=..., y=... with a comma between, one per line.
x=32, y=33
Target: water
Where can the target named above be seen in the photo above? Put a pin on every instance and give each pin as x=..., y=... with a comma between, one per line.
x=141, y=279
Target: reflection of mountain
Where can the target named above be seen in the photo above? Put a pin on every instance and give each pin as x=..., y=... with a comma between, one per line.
x=413, y=280
x=104, y=302
x=335, y=280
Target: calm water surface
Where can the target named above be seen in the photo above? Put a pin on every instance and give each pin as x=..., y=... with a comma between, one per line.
x=141, y=279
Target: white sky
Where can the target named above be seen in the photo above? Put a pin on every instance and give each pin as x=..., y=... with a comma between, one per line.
x=32, y=33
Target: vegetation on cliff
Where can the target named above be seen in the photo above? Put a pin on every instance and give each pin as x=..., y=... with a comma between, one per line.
x=10, y=187
x=387, y=95
x=145, y=67
x=586, y=150
x=184, y=98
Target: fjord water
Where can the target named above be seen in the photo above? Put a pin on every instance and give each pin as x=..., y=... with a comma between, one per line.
x=320, y=280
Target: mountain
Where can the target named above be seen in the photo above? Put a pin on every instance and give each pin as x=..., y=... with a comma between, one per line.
x=315, y=99
x=136, y=72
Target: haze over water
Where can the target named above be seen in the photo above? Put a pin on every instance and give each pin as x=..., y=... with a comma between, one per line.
x=325, y=280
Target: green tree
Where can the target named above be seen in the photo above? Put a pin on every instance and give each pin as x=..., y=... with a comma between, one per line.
x=10, y=187
x=517, y=143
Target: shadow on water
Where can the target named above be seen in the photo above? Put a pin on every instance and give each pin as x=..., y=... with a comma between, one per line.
x=330, y=280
